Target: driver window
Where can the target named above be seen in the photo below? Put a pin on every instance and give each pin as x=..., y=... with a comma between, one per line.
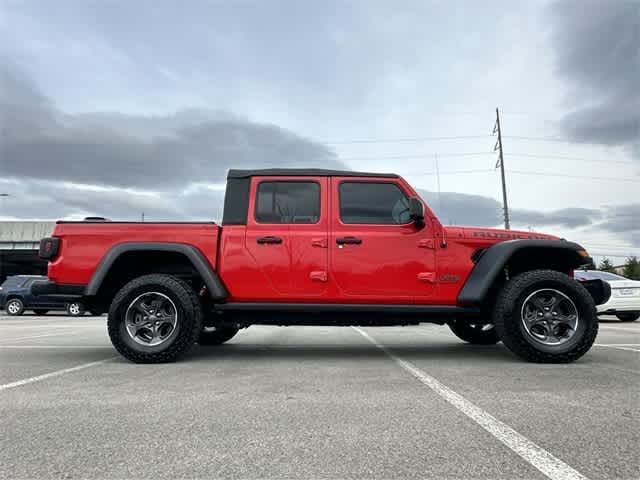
x=373, y=203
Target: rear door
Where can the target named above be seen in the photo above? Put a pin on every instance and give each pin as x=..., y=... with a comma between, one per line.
x=287, y=229
x=377, y=254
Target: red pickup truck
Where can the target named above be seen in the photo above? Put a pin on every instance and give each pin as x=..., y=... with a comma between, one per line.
x=321, y=247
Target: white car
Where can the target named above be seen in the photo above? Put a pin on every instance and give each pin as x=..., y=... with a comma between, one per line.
x=624, y=302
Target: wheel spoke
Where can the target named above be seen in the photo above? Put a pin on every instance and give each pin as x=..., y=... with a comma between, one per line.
x=151, y=319
x=549, y=316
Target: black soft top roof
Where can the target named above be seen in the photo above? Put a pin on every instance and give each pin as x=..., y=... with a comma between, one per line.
x=304, y=172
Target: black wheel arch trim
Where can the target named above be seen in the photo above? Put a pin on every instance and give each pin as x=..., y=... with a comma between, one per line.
x=494, y=259
x=214, y=284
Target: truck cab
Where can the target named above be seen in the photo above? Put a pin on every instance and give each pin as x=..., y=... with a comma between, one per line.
x=344, y=238
x=324, y=247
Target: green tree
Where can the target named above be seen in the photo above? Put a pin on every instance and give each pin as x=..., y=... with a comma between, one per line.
x=606, y=265
x=632, y=268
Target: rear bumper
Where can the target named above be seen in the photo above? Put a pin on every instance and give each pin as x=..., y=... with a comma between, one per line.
x=64, y=291
x=599, y=290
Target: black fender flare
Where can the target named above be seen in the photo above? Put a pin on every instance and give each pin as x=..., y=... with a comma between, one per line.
x=214, y=285
x=493, y=260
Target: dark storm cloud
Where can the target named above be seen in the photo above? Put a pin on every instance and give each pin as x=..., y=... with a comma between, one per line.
x=154, y=153
x=566, y=217
x=597, y=45
x=477, y=210
x=622, y=218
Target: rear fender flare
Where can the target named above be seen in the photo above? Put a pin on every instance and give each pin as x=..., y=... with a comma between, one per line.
x=495, y=258
x=215, y=287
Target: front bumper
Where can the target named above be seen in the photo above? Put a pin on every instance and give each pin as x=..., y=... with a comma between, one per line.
x=599, y=290
x=63, y=291
x=620, y=304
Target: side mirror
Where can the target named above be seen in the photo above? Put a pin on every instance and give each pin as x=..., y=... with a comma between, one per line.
x=416, y=210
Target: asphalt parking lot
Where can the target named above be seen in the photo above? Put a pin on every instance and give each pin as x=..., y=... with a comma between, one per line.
x=314, y=402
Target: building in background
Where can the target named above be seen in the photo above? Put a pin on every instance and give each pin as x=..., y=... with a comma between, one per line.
x=19, y=243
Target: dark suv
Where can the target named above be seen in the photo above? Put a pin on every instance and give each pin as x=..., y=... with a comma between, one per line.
x=16, y=297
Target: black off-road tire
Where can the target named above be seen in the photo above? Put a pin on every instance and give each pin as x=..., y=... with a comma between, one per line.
x=628, y=316
x=14, y=307
x=189, y=318
x=217, y=336
x=508, y=322
x=40, y=311
x=473, y=332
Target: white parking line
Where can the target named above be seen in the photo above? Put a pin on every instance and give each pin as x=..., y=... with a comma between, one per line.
x=622, y=329
x=40, y=336
x=532, y=453
x=54, y=346
x=619, y=346
x=57, y=373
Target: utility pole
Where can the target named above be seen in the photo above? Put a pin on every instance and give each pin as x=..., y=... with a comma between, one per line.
x=142, y=217
x=500, y=163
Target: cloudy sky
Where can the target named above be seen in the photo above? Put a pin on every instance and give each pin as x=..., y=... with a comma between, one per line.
x=116, y=108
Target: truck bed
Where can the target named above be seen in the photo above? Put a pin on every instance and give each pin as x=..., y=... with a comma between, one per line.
x=83, y=244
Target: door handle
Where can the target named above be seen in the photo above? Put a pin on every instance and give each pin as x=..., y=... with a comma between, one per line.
x=348, y=241
x=269, y=239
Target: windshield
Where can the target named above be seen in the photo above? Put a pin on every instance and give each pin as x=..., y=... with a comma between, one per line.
x=597, y=275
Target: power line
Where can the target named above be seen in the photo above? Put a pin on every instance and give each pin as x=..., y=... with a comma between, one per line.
x=405, y=140
x=585, y=177
x=560, y=157
x=473, y=154
x=418, y=155
x=540, y=139
x=453, y=172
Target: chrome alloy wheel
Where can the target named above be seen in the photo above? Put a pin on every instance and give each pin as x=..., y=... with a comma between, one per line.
x=549, y=317
x=13, y=307
x=151, y=319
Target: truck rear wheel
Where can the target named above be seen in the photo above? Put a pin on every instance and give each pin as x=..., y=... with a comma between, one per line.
x=546, y=316
x=154, y=319
x=476, y=333
x=216, y=335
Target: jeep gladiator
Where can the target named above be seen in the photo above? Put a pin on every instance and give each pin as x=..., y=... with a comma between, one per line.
x=322, y=247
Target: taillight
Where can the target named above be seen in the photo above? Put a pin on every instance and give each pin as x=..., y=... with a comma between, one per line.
x=49, y=248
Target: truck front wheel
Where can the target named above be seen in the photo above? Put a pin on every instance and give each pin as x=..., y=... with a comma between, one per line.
x=154, y=318
x=476, y=333
x=216, y=335
x=546, y=316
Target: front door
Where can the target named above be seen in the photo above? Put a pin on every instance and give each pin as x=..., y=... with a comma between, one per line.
x=377, y=254
x=287, y=230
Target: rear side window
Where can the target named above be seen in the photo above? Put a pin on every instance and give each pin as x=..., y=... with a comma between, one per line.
x=13, y=282
x=288, y=202
x=373, y=203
